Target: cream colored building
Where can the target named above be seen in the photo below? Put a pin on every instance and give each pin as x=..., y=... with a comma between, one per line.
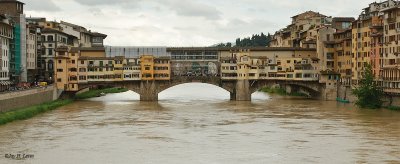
x=278, y=65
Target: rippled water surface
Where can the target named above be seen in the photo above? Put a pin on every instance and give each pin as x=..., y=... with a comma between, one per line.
x=196, y=123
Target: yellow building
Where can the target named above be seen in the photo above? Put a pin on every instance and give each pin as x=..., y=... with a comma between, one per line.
x=361, y=47
x=147, y=67
x=245, y=65
x=66, y=72
x=153, y=68
x=162, y=68
x=343, y=51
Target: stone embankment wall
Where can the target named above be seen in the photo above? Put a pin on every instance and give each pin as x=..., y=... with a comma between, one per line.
x=25, y=98
x=346, y=93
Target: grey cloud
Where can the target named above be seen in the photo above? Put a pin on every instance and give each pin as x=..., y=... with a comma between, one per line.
x=96, y=12
x=40, y=5
x=139, y=28
x=104, y=2
x=123, y=4
x=185, y=28
x=192, y=9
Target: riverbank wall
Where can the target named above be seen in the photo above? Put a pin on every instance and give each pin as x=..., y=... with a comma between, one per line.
x=26, y=98
x=346, y=94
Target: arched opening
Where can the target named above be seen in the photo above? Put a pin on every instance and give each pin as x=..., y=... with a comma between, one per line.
x=202, y=92
x=118, y=97
x=295, y=90
x=194, y=91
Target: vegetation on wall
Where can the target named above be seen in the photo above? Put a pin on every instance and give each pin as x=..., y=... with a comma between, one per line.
x=98, y=92
x=368, y=93
x=29, y=112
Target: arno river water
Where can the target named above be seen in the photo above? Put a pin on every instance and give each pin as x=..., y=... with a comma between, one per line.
x=196, y=123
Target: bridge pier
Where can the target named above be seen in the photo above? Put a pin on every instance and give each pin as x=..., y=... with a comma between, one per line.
x=241, y=92
x=148, y=91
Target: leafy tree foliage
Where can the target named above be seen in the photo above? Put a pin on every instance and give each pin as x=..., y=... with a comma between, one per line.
x=368, y=93
x=257, y=40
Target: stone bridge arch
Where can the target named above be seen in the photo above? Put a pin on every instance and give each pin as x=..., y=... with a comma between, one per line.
x=149, y=90
x=313, y=88
x=216, y=81
x=240, y=90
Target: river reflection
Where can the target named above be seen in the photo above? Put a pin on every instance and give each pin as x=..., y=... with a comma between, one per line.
x=198, y=124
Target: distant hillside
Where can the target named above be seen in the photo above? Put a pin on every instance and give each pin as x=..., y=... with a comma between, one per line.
x=258, y=40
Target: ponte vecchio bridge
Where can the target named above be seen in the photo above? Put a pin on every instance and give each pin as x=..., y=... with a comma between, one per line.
x=239, y=71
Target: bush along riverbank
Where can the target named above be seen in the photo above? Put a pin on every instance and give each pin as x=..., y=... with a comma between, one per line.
x=282, y=92
x=99, y=92
x=395, y=108
x=29, y=112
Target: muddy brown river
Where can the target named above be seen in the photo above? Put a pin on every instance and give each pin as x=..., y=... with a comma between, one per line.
x=196, y=123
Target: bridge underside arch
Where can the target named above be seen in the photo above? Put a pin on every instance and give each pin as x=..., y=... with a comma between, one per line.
x=313, y=89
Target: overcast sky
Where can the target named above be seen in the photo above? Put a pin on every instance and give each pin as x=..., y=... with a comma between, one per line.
x=184, y=22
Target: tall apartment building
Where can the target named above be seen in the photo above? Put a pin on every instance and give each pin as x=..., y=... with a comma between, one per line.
x=343, y=55
x=300, y=31
x=31, y=54
x=36, y=26
x=51, y=35
x=6, y=37
x=326, y=48
x=15, y=11
x=329, y=36
x=52, y=39
x=391, y=48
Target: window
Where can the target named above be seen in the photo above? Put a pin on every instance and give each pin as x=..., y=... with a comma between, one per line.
x=50, y=38
x=147, y=68
x=50, y=65
x=59, y=61
x=82, y=62
x=59, y=80
x=50, y=51
x=60, y=70
x=73, y=61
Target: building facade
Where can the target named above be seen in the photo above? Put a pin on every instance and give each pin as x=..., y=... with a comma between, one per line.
x=6, y=37
x=17, y=61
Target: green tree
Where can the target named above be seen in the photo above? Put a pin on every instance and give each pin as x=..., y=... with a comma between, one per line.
x=368, y=93
x=256, y=40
